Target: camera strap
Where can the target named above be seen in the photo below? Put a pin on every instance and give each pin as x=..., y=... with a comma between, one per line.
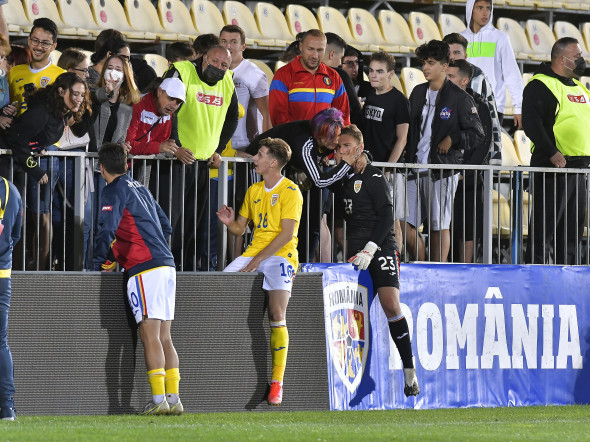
x=150, y=129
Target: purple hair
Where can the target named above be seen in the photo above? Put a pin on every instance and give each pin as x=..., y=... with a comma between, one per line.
x=327, y=124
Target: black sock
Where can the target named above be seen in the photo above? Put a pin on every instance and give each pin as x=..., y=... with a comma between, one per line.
x=401, y=336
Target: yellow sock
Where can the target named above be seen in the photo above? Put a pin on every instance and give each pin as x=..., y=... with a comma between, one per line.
x=172, y=380
x=156, y=380
x=279, y=345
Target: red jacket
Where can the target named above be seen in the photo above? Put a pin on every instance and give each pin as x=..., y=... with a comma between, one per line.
x=145, y=114
x=296, y=94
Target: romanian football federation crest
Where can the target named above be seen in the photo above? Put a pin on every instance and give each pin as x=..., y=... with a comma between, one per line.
x=44, y=81
x=274, y=199
x=357, y=186
x=347, y=323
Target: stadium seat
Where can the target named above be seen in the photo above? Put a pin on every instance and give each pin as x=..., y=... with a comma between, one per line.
x=272, y=23
x=586, y=82
x=142, y=15
x=520, y=44
x=449, y=23
x=523, y=147
x=77, y=13
x=264, y=67
x=575, y=6
x=176, y=18
x=411, y=77
x=528, y=3
x=47, y=8
x=207, y=18
x=526, y=78
x=508, y=108
x=396, y=83
x=55, y=54
x=509, y=156
x=546, y=4
x=500, y=214
x=541, y=39
x=395, y=29
x=300, y=19
x=109, y=14
x=566, y=29
x=88, y=55
x=364, y=28
x=157, y=62
x=279, y=65
x=15, y=17
x=236, y=13
x=423, y=28
x=332, y=20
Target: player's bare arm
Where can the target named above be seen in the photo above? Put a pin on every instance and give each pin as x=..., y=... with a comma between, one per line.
x=286, y=234
x=235, y=226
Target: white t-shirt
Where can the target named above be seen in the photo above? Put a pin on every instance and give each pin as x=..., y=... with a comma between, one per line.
x=426, y=127
x=250, y=83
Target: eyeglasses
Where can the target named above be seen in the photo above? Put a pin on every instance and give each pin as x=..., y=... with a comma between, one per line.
x=84, y=71
x=351, y=63
x=126, y=57
x=44, y=44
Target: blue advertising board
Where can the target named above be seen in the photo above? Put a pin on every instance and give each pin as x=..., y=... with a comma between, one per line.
x=482, y=336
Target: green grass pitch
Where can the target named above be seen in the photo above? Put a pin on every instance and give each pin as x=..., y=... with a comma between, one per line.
x=497, y=424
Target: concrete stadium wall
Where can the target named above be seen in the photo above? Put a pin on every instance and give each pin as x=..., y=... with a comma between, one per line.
x=76, y=348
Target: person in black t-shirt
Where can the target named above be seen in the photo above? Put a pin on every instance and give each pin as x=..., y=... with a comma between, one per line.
x=364, y=199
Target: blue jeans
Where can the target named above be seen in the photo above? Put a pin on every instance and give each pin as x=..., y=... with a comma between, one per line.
x=6, y=368
x=39, y=196
x=91, y=211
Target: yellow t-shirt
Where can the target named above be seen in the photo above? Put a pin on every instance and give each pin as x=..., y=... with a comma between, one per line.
x=22, y=74
x=266, y=208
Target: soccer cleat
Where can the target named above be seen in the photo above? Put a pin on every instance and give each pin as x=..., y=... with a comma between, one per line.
x=176, y=409
x=7, y=414
x=153, y=408
x=275, y=396
x=411, y=387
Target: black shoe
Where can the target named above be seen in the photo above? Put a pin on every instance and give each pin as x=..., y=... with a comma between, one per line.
x=7, y=414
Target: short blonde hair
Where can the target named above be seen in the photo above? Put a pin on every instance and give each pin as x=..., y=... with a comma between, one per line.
x=278, y=149
x=353, y=131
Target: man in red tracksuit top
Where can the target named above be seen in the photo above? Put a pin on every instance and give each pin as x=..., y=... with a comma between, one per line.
x=306, y=86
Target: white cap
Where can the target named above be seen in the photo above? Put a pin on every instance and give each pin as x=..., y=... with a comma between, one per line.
x=174, y=88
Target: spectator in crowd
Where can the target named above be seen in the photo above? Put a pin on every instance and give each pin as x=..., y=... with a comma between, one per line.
x=179, y=51
x=289, y=98
x=556, y=117
x=490, y=49
x=311, y=141
x=18, y=55
x=206, y=123
x=333, y=58
x=386, y=122
x=292, y=51
x=276, y=215
x=468, y=209
x=73, y=60
x=203, y=43
x=352, y=63
x=40, y=126
x=4, y=69
x=11, y=216
x=481, y=85
x=134, y=232
x=443, y=124
x=368, y=210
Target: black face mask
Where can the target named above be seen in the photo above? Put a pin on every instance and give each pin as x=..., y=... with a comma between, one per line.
x=580, y=66
x=212, y=74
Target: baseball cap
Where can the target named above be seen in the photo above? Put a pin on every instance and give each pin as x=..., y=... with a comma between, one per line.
x=174, y=88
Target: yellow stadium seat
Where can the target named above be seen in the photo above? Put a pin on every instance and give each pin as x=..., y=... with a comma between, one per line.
x=566, y=29
x=55, y=54
x=520, y=44
x=586, y=82
x=541, y=39
x=47, y=8
x=396, y=83
x=207, y=18
x=449, y=23
x=423, y=28
x=264, y=68
x=395, y=29
x=300, y=19
x=142, y=15
x=331, y=20
x=364, y=28
x=575, y=6
x=236, y=13
x=272, y=23
x=157, y=62
x=411, y=77
x=15, y=17
x=77, y=13
x=109, y=14
x=176, y=18
x=508, y=107
x=520, y=3
x=523, y=147
x=500, y=214
x=526, y=78
x=509, y=156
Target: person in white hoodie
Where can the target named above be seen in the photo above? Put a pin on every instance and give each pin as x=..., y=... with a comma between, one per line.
x=491, y=51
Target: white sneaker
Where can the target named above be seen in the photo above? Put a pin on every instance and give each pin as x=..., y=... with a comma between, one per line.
x=176, y=409
x=153, y=408
x=411, y=387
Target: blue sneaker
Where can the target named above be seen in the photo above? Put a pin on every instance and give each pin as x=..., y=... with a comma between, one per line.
x=7, y=414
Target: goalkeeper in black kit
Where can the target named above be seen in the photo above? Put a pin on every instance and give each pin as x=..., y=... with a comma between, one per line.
x=364, y=199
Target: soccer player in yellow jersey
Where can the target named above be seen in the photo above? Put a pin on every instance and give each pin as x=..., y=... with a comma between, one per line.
x=274, y=206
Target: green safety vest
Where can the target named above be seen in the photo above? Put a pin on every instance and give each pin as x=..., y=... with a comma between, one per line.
x=201, y=118
x=572, y=116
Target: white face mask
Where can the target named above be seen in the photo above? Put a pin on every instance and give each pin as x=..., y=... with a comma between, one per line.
x=114, y=75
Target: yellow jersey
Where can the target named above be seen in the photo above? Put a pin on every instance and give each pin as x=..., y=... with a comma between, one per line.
x=266, y=208
x=22, y=74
